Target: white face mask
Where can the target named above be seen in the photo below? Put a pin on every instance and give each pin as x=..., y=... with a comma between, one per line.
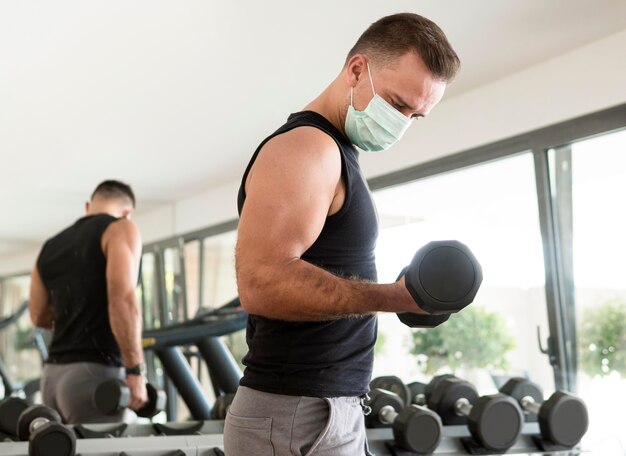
x=378, y=127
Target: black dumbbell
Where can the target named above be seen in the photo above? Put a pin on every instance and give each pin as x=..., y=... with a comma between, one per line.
x=46, y=435
x=420, y=392
x=113, y=395
x=563, y=418
x=495, y=421
x=443, y=278
x=221, y=406
x=393, y=384
x=10, y=410
x=415, y=428
x=414, y=393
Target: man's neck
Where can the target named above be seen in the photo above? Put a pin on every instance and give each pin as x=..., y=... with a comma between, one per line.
x=326, y=104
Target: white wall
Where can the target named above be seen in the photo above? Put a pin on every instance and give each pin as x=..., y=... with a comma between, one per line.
x=580, y=82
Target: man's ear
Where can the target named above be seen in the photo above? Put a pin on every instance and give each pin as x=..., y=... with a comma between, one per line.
x=87, y=205
x=355, y=68
x=127, y=213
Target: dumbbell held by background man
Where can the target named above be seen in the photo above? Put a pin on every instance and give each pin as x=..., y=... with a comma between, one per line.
x=113, y=395
x=442, y=278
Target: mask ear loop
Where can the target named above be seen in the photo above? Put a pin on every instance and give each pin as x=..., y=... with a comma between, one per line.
x=369, y=73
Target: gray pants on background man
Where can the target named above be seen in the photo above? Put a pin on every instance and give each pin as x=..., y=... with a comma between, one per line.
x=69, y=389
x=265, y=424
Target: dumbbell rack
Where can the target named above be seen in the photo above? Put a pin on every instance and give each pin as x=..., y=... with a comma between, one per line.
x=140, y=440
x=455, y=439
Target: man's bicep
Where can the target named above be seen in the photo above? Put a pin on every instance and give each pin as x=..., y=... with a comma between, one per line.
x=122, y=263
x=287, y=203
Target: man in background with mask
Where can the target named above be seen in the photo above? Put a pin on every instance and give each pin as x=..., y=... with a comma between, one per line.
x=305, y=261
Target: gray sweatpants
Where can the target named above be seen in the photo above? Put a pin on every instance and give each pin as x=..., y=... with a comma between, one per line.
x=69, y=388
x=264, y=424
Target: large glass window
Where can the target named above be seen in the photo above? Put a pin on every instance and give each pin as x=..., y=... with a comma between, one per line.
x=220, y=285
x=20, y=357
x=492, y=208
x=589, y=185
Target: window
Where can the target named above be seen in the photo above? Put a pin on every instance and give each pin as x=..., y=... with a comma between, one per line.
x=589, y=188
x=492, y=208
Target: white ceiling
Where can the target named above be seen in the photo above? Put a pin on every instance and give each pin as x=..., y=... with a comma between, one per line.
x=173, y=96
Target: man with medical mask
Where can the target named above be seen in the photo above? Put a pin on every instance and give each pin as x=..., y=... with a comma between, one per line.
x=305, y=252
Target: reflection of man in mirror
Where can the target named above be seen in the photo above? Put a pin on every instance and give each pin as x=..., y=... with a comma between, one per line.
x=83, y=289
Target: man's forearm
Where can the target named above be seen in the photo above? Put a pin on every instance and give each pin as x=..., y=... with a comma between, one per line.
x=126, y=325
x=300, y=291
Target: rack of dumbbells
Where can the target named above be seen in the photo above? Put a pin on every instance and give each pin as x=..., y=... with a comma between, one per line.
x=448, y=417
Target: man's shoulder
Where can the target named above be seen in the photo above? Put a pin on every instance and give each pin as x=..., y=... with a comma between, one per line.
x=122, y=227
x=302, y=140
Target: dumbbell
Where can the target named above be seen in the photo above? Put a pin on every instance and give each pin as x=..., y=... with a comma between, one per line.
x=113, y=395
x=495, y=421
x=415, y=428
x=443, y=278
x=393, y=384
x=221, y=406
x=420, y=392
x=46, y=435
x=563, y=418
x=414, y=393
x=10, y=410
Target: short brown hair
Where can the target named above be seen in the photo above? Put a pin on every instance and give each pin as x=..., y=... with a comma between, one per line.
x=112, y=189
x=395, y=35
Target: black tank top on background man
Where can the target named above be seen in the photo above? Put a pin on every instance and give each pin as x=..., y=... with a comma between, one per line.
x=73, y=269
x=327, y=358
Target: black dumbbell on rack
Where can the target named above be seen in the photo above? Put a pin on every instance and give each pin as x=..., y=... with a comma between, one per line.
x=113, y=395
x=416, y=393
x=495, y=421
x=41, y=426
x=415, y=428
x=563, y=418
x=10, y=410
x=443, y=278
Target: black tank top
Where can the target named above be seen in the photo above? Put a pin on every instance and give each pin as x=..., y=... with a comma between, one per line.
x=73, y=269
x=328, y=358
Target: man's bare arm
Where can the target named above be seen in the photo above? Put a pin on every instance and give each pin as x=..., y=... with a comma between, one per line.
x=122, y=248
x=291, y=187
x=121, y=244
x=40, y=305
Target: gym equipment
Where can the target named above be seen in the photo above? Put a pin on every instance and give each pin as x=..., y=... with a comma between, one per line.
x=113, y=395
x=221, y=406
x=414, y=428
x=203, y=331
x=393, y=384
x=46, y=435
x=417, y=393
x=563, y=418
x=10, y=411
x=414, y=320
x=494, y=421
x=443, y=278
x=420, y=392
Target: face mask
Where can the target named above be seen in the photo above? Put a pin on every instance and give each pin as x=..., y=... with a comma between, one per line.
x=378, y=127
